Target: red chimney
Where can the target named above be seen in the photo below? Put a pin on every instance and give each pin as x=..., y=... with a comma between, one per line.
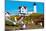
x=25, y=7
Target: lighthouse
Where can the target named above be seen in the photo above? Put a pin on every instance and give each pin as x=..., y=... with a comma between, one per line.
x=35, y=11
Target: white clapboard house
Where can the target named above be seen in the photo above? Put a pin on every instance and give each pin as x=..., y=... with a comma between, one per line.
x=24, y=11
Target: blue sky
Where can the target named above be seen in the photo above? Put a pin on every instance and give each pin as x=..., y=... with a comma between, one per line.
x=12, y=6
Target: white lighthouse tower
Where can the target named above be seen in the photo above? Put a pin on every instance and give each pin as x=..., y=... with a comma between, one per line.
x=35, y=10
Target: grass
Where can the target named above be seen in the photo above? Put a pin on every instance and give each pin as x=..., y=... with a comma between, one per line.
x=27, y=21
